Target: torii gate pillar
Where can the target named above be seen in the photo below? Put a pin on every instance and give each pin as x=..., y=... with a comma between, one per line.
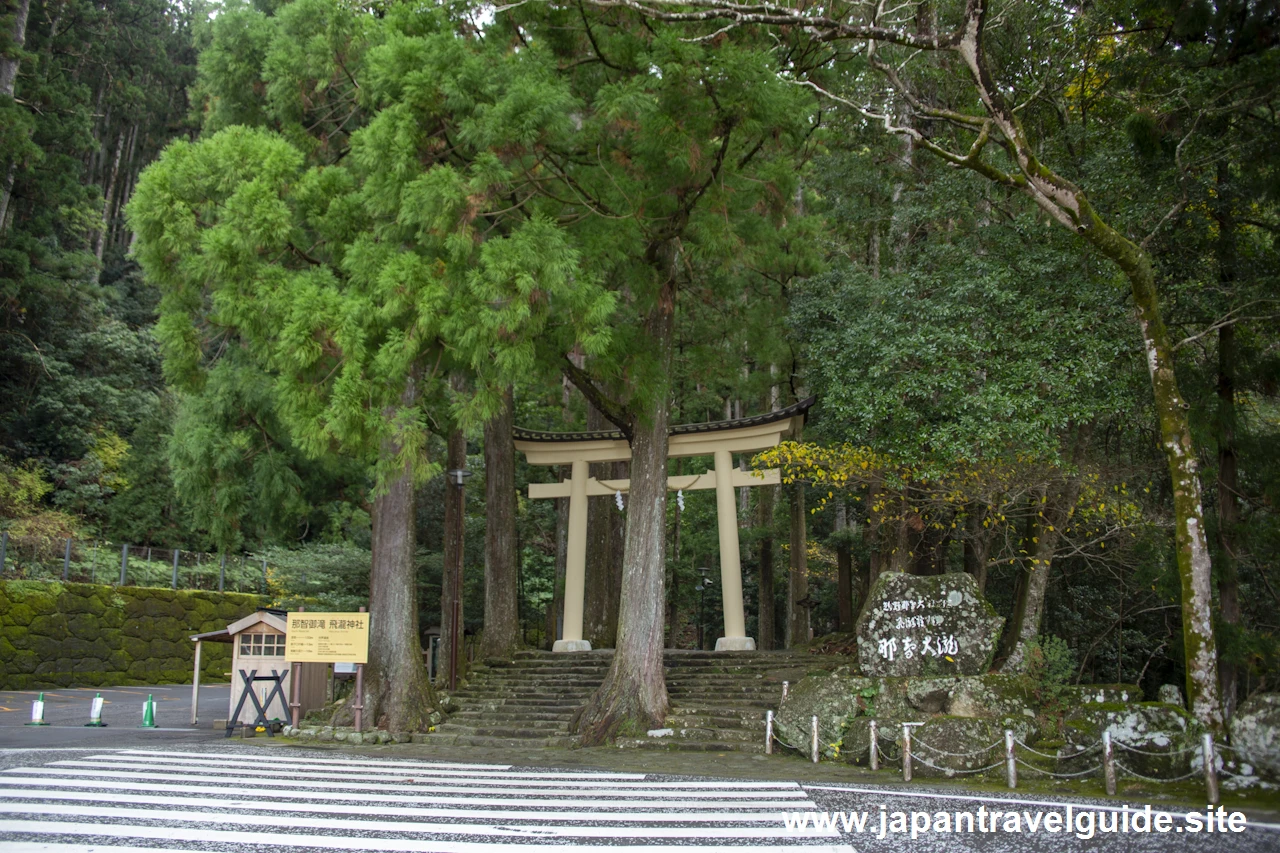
x=575, y=564
x=735, y=637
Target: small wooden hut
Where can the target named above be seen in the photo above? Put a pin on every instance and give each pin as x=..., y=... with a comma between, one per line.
x=258, y=642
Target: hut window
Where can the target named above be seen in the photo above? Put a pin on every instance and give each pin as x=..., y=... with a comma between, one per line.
x=262, y=645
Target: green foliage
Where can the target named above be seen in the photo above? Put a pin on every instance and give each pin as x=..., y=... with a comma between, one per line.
x=22, y=487
x=332, y=577
x=1051, y=666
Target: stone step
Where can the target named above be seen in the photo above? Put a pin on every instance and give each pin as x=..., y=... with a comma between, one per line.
x=738, y=706
x=549, y=669
x=530, y=692
x=480, y=700
x=521, y=721
x=713, y=689
x=536, y=682
x=515, y=706
x=717, y=735
x=445, y=739
x=502, y=731
x=705, y=721
x=711, y=709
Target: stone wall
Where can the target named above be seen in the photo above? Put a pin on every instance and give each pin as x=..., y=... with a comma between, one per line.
x=88, y=635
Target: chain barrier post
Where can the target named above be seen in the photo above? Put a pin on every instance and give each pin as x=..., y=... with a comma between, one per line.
x=875, y=747
x=1108, y=764
x=1011, y=762
x=768, y=733
x=785, y=684
x=813, y=724
x=906, y=752
x=1210, y=769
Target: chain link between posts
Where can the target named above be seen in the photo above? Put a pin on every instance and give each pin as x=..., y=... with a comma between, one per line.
x=887, y=757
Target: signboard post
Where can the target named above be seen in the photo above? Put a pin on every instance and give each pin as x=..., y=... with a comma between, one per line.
x=330, y=638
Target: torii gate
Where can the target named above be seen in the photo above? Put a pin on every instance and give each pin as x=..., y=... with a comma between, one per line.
x=721, y=440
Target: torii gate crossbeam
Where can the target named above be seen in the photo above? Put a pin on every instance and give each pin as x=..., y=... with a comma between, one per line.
x=718, y=440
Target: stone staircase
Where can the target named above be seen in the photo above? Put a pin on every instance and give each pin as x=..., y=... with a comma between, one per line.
x=718, y=699
x=528, y=701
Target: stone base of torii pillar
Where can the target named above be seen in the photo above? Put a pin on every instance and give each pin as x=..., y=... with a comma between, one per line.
x=735, y=644
x=571, y=646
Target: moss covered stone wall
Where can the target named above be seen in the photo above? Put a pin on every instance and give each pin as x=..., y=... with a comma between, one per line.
x=74, y=634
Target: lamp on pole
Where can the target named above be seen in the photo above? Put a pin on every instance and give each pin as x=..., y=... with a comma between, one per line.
x=457, y=478
x=701, y=588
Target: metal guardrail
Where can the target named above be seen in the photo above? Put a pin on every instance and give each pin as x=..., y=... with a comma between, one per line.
x=123, y=564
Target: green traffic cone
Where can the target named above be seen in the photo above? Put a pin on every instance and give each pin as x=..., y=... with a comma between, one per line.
x=149, y=714
x=37, y=712
x=95, y=713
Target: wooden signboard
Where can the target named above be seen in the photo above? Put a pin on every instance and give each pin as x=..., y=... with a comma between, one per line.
x=327, y=638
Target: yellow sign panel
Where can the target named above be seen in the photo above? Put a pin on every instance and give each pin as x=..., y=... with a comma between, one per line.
x=327, y=638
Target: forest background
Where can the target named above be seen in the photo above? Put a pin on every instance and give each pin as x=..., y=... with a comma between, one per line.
x=984, y=398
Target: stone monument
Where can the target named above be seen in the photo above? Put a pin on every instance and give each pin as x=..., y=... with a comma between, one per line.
x=931, y=625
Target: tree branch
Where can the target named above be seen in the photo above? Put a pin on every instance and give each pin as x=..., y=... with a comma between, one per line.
x=612, y=411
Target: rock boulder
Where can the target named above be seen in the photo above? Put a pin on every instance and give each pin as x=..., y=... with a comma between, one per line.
x=1255, y=733
x=927, y=625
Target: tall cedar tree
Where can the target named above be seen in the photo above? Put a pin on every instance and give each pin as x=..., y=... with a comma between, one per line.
x=361, y=284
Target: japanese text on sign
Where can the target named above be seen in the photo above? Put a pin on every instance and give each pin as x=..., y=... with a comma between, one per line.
x=327, y=637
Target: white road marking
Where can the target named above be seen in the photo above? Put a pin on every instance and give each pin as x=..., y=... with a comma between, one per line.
x=692, y=811
x=426, y=787
x=237, y=765
x=141, y=798
x=204, y=757
x=534, y=811
x=224, y=818
x=504, y=776
x=347, y=843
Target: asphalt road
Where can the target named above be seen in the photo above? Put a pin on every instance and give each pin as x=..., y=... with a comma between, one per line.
x=66, y=710
x=232, y=796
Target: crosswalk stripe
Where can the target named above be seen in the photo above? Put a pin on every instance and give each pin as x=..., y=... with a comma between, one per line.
x=484, y=774
x=373, y=762
x=608, y=779
x=365, y=810
x=602, y=806
x=212, y=799
x=348, y=843
x=480, y=829
x=125, y=780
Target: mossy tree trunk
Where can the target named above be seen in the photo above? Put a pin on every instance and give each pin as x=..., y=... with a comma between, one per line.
x=501, y=581
x=844, y=572
x=798, y=572
x=1228, y=464
x=633, y=696
x=599, y=626
x=767, y=613
x=451, y=584
x=397, y=692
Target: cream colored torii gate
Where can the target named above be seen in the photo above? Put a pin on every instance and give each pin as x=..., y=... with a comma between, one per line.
x=719, y=440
